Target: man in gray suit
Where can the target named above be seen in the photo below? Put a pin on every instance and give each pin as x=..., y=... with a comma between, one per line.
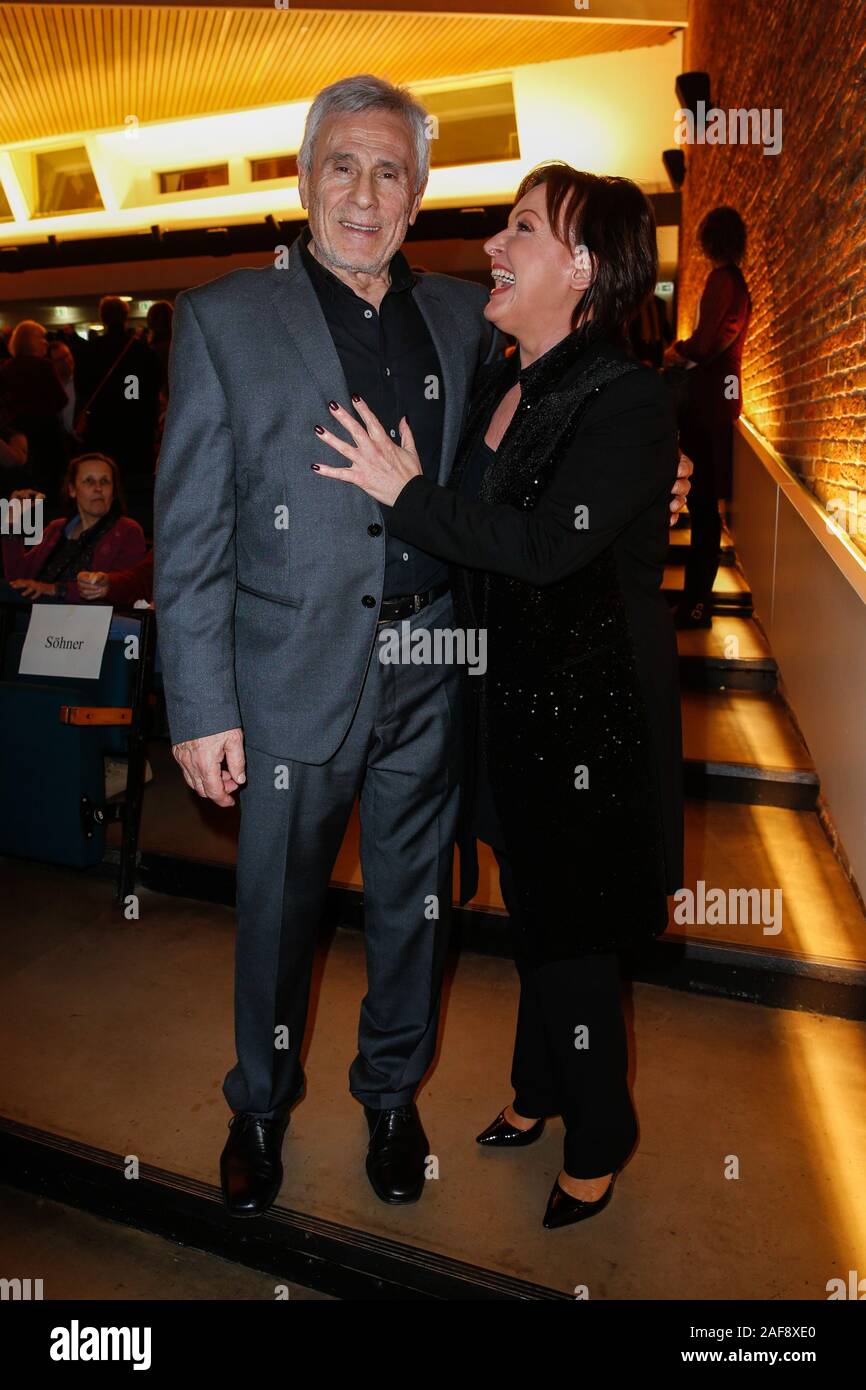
x=271, y=591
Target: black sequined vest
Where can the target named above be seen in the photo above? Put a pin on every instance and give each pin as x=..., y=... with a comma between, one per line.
x=568, y=620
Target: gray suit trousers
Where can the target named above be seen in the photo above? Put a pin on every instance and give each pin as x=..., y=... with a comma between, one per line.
x=401, y=756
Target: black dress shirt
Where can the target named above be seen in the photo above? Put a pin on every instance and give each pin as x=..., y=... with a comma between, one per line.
x=390, y=360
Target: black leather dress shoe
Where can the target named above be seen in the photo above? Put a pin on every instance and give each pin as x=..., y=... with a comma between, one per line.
x=397, y=1153
x=251, y=1170
x=502, y=1135
x=565, y=1210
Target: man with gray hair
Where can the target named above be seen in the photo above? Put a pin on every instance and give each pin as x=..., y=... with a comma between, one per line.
x=271, y=592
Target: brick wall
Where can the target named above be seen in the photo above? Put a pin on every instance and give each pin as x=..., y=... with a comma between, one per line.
x=804, y=379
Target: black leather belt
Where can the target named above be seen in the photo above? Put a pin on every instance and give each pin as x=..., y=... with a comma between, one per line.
x=407, y=605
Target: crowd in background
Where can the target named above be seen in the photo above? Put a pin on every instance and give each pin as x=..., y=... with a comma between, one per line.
x=80, y=426
x=81, y=422
x=62, y=394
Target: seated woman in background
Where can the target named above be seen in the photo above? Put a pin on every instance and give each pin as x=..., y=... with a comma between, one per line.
x=95, y=535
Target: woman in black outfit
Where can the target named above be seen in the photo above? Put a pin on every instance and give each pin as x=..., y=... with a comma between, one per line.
x=556, y=516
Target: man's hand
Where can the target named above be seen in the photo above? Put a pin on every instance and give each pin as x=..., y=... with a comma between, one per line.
x=682, y=486
x=201, y=763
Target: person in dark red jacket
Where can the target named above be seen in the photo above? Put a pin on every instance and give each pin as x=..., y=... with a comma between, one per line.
x=95, y=535
x=713, y=402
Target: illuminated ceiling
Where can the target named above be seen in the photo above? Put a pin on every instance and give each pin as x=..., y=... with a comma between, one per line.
x=67, y=68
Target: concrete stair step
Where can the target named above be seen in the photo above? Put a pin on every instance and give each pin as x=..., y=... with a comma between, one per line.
x=731, y=592
x=680, y=540
x=741, y=745
x=819, y=922
x=770, y=915
x=732, y=654
x=817, y=960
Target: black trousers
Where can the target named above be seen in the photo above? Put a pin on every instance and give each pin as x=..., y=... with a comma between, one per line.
x=709, y=448
x=571, y=1050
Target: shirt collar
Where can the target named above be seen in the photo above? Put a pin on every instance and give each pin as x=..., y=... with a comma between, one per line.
x=401, y=273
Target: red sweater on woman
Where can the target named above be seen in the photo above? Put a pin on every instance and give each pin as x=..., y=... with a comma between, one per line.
x=717, y=346
x=122, y=546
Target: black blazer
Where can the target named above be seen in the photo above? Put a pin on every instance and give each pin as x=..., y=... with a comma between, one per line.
x=570, y=534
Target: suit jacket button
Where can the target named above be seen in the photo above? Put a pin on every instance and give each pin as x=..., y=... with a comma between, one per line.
x=368, y=601
x=374, y=529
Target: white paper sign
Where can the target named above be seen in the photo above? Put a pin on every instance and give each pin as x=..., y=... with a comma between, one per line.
x=65, y=639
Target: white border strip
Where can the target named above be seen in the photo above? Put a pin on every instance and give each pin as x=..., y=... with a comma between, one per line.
x=850, y=561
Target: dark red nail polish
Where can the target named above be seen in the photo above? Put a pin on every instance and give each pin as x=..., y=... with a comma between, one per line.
x=318, y=429
x=332, y=405
x=356, y=398
x=315, y=467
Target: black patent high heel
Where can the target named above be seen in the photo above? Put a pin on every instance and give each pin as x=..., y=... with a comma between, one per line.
x=565, y=1210
x=502, y=1135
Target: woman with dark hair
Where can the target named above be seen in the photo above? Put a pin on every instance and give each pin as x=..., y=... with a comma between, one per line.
x=94, y=535
x=711, y=403
x=556, y=519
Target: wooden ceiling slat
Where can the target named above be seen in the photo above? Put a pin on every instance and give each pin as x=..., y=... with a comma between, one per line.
x=267, y=55
x=87, y=67
x=18, y=53
x=221, y=74
x=176, y=60
x=96, y=96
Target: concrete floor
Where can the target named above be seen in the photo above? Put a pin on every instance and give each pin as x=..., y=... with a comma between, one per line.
x=80, y=1256
x=119, y=1033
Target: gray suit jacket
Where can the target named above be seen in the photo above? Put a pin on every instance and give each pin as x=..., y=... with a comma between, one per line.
x=262, y=567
